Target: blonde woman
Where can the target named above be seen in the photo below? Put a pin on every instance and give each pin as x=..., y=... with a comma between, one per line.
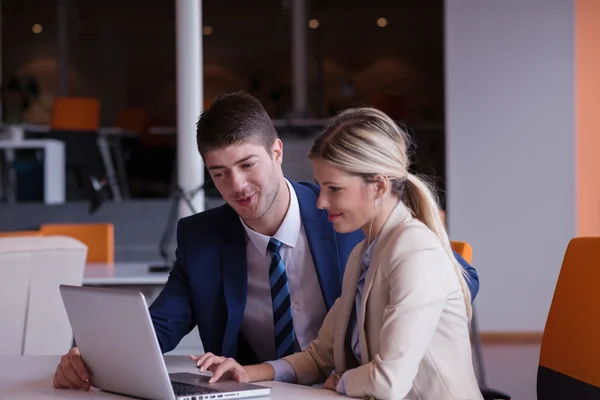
x=400, y=328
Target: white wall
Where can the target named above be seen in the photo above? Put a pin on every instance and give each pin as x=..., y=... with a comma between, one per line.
x=510, y=150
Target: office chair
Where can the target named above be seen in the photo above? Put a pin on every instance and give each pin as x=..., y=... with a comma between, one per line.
x=465, y=250
x=569, y=357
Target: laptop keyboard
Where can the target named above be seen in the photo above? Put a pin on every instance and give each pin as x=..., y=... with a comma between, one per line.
x=185, y=389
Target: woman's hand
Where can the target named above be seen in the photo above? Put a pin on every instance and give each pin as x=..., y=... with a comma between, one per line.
x=221, y=367
x=332, y=382
x=329, y=383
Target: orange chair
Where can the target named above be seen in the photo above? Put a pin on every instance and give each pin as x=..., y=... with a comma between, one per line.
x=75, y=121
x=568, y=365
x=100, y=238
x=75, y=114
x=464, y=249
x=20, y=233
x=132, y=119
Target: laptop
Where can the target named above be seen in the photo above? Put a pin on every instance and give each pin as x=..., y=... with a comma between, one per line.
x=116, y=338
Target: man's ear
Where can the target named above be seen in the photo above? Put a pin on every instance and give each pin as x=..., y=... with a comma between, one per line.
x=277, y=151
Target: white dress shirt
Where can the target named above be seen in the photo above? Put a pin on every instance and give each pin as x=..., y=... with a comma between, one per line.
x=308, y=306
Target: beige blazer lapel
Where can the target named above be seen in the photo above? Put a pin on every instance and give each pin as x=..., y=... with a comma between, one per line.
x=347, y=300
x=398, y=215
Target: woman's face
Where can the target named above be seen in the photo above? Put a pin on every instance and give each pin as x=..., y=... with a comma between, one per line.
x=348, y=199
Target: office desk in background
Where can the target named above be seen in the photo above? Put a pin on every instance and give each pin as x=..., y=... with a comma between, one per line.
x=126, y=275
x=123, y=273
x=134, y=276
x=109, y=137
x=54, y=167
x=30, y=378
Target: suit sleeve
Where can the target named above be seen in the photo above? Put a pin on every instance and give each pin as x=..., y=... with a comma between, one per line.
x=472, y=278
x=172, y=314
x=417, y=297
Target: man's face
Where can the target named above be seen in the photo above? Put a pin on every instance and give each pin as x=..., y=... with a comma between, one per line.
x=246, y=175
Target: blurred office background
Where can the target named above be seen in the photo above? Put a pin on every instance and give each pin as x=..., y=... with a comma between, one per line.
x=499, y=98
x=112, y=66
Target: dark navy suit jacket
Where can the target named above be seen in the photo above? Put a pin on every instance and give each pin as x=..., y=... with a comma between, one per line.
x=208, y=284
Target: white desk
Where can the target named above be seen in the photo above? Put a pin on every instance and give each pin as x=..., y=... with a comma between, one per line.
x=54, y=165
x=117, y=179
x=122, y=273
x=30, y=378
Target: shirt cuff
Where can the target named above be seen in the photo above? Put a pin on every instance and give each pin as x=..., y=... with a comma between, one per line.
x=341, y=386
x=284, y=372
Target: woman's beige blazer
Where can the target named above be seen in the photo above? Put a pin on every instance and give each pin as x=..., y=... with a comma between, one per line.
x=414, y=336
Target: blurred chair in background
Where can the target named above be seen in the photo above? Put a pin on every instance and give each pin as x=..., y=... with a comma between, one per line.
x=134, y=119
x=76, y=121
x=32, y=315
x=75, y=114
x=15, y=267
x=152, y=156
x=569, y=366
x=465, y=250
x=98, y=237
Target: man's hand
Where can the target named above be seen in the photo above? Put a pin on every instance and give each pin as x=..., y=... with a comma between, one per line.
x=71, y=372
x=221, y=367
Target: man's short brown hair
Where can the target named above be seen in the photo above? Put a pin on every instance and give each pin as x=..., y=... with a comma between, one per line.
x=234, y=118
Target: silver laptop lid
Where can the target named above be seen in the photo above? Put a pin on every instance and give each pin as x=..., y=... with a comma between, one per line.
x=114, y=333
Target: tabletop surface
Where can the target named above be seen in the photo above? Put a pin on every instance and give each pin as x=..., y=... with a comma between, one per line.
x=30, y=143
x=30, y=378
x=123, y=273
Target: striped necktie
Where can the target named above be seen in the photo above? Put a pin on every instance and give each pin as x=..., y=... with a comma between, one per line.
x=282, y=306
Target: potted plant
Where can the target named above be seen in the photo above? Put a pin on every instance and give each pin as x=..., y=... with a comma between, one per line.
x=17, y=95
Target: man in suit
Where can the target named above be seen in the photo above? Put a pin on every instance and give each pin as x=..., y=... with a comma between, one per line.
x=258, y=274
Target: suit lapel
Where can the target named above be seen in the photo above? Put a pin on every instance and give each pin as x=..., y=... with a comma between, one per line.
x=234, y=268
x=321, y=240
x=398, y=215
x=343, y=348
x=364, y=350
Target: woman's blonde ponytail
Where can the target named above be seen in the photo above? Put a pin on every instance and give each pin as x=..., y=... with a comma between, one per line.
x=419, y=198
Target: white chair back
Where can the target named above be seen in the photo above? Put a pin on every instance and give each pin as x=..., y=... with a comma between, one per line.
x=54, y=260
x=15, y=267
